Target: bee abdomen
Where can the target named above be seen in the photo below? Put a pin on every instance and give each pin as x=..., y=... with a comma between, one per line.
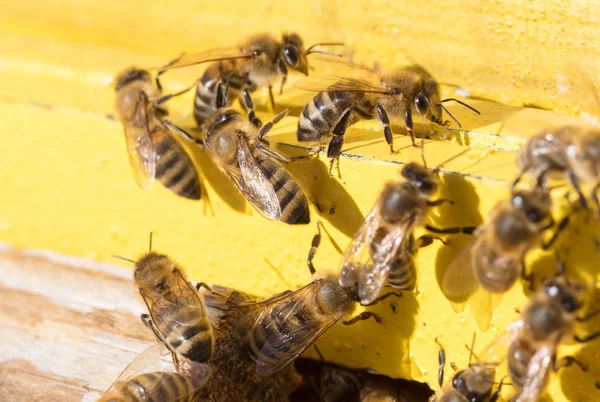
x=519, y=355
x=156, y=386
x=190, y=335
x=403, y=274
x=292, y=201
x=321, y=114
x=205, y=102
x=174, y=168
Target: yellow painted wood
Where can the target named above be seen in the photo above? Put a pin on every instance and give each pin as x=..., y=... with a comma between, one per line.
x=66, y=185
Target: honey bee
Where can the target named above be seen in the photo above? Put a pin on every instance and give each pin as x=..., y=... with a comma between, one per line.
x=492, y=262
x=573, y=150
x=360, y=93
x=176, y=313
x=153, y=152
x=529, y=344
x=234, y=375
x=383, y=248
x=267, y=63
x=150, y=377
x=474, y=384
x=239, y=149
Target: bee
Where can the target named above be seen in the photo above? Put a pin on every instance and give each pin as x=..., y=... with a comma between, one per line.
x=360, y=93
x=234, y=375
x=176, y=313
x=153, y=152
x=138, y=382
x=572, y=150
x=239, y=149
x=474, y=384
x=529, y=344
x=269, y=63
x=383, y=248
x=288, y=323
x=491, y=263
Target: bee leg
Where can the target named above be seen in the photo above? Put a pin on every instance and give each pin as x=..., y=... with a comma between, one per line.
x=387, y=131
x=426, y=240
x=268, y=126
x=441, y=361
x=168, y=97
x=250, y=108
x=148, y=322
x=334, y=149
x=595, y=197
x=561, y=226
x=436, y=203
x=409, y=126
x=567, y=361
x=182, y=133
x=316, y=242
x=282, y=158
x=385, y=296
x=175, y=361
x=525, y=276
x=588, y=316
x=452, y=230
x=496, y=395
x=271, y=99
x=588, y=338
x=575, y=183
x=365, y=315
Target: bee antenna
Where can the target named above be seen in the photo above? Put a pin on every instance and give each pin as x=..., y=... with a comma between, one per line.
x=438, y=167
x=323, y=52
x=123, y=258
x=471, y=348
x=450, y=114
x=310, y=49
x=150, y=243
x=461, y=103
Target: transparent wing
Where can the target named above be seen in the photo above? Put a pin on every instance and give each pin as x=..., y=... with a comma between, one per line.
x=152, y=375
x=458, y=281
x=163, y=308
x=283, y=348
x=139, y=146
x=252, y=182
x=537, y=374
x=575, y=84
x=222, y=300
x=372, y=267
x=497, y=351
x=483, y=304
x=333, y=83
x=207, y=56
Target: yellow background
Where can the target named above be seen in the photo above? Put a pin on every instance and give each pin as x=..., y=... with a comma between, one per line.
x=65, y=182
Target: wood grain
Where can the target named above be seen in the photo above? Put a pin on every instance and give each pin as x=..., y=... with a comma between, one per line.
x=68, y=326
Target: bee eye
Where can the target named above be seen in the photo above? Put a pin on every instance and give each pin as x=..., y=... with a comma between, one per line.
x=291, y=56
x=534, y=215
x=421, y=104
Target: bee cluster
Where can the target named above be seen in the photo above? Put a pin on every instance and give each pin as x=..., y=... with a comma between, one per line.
x=217, y=343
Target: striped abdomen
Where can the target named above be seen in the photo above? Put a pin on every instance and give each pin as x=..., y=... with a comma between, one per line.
x=205, y=102
x=292, y=201
x=285, y=318
x=322, y=113
x=494, y=272
x=519, y=355
x=174, y=168
x=154, y=387
x=403, y=273
x=186, y=331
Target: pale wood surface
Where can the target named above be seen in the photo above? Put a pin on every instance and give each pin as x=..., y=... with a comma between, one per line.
x=68, y=326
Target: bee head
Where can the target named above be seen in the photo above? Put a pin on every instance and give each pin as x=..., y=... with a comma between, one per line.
x=427, y=101
x=421, y=177
x=293, y=53
x=131, y=75
x=569, y=294
x=534, y=204
x=152, y=269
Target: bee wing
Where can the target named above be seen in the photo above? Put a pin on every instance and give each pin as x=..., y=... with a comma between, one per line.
x=142, y=157
x=252, y=182
x=333, y=83
x=222, y=300
x=373, y=270
x=184, y=296
x=458, y=281
x=207, y=56
x=537, y=374
x=497, y=351
x=153, y=366
x=482, y=305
